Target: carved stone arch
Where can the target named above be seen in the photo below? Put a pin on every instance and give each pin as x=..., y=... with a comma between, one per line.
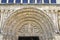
x=30, y=21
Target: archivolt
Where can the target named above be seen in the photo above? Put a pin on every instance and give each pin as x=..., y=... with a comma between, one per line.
x=32, y=16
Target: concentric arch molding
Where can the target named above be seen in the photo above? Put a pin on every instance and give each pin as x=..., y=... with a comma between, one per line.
x=28, y=22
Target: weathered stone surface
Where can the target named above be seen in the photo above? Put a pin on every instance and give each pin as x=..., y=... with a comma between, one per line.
x=29, y=20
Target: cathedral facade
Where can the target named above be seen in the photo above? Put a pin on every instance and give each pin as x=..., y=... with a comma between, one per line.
x=27, y=20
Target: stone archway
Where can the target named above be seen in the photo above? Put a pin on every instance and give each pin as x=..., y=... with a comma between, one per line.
x=28, y=22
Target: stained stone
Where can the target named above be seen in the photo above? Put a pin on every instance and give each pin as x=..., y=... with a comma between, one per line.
x=29, y=20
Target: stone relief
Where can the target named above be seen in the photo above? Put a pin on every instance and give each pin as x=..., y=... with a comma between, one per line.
x=14, y=22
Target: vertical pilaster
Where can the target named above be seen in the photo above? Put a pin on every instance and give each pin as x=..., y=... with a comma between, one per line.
x=7, y=1
x=42, y=1
x=35, y=1
x=14, y=1
x=28, y=1
x=49, y=1
x=0, y=1
x=21, y=1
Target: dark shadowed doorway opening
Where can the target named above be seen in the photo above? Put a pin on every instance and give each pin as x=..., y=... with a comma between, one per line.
x=28, y=38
